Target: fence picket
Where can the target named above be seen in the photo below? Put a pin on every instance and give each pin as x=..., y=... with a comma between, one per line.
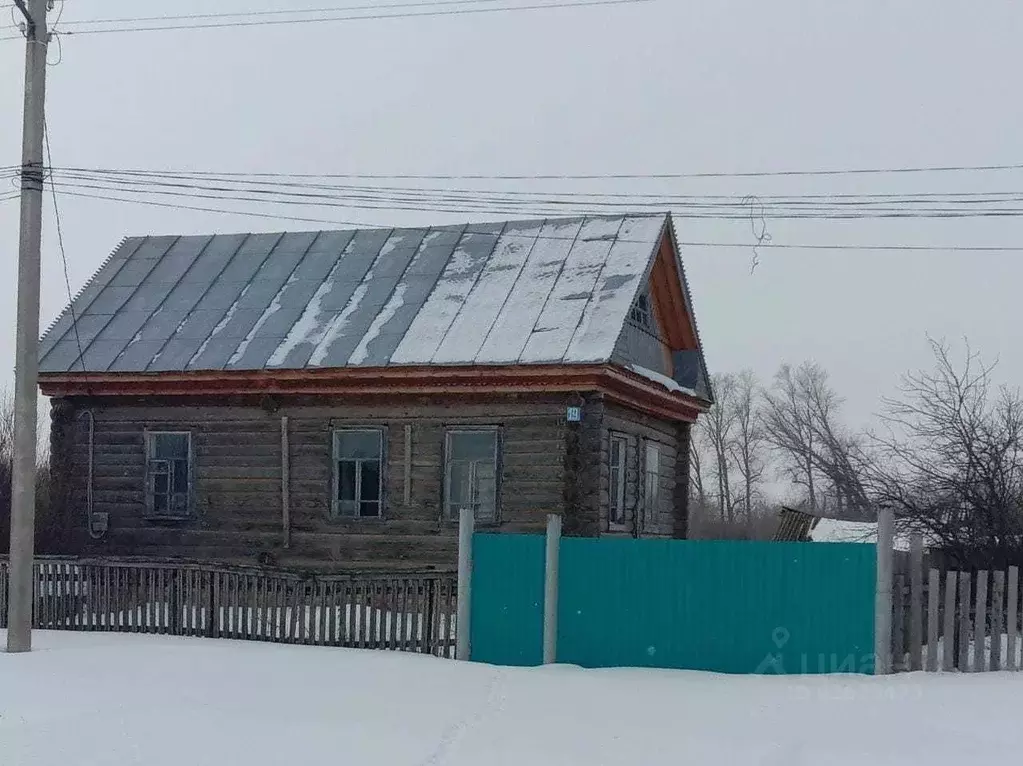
x=309, y=611
x=933, y=584
x=997, y=614
x=330, y=591
x=3, y=595
x=252, y=584
x=217, y=613
x=184, y=600
x=980, y=624
x=948, y=635
x=40, y=589
x=280, y=605
x=259, y=630
x=965, y=632
x=899, y=625
x=1011, y=618
x=916, y=605
x=292, y=613
x=379, y=611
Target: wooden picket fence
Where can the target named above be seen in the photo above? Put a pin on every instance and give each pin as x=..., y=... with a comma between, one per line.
x=966, y=621
x=404, y=612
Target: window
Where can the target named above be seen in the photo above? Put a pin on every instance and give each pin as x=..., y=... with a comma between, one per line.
x=471, y=473
x=616, y=484
x=168, y=474
x=358, y=473
x=652, y=495
x=640, y=313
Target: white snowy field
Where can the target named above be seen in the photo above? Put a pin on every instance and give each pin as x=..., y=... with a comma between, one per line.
x=113, y=700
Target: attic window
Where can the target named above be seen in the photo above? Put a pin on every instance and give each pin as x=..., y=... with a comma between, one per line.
x=640, y=313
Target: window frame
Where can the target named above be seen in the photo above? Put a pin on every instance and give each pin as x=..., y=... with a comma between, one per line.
x=652, y=501
x=335, y=460
x=620, y=493
x=641, y=313
x=150, y=436
x=449, y=432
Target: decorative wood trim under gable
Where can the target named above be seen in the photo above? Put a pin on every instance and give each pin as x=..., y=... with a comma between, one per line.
x=615, y=383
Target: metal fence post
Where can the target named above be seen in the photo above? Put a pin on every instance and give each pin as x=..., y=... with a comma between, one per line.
x=883, y=592
x=550, y=590
x=466, y=522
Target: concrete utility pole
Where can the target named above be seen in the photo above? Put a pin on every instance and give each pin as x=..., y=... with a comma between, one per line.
x=23, y=482
x=883, y=593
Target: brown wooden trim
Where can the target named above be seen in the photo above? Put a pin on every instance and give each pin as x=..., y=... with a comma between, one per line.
x=666, y=291
x=617, y=384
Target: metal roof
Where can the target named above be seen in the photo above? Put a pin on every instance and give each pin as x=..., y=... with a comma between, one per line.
x=519, y=292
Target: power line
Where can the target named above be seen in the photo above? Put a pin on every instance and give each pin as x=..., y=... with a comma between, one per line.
x=595, y=176
x=63, y=253
x=141, y=177
x=748, y=245
x=316, y=191
x=413, y=200
x=250, y=214
x=809, y=246
x=331, y=19
x=288, y=12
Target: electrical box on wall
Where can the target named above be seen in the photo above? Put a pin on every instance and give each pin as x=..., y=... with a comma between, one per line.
x=99, y=523
x=574, y=414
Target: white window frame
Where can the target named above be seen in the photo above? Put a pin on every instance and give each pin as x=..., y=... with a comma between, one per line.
x=616, y=491
x=151, y=437
x=652, y=493
x=452, y=513
x=335, y=503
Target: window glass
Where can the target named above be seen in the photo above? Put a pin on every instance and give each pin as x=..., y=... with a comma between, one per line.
x=168, y=469
x=652, y=495
x=358, y=472
x=616, y=483
x=471, y=474
x=358, y=445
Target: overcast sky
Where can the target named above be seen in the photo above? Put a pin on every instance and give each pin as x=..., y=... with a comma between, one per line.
x=669, y=86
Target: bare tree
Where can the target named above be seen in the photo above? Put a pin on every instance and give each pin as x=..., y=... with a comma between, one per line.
x=48, y=531
x=716, y=429
x=953, y=459
x=747, y=440
x=801, y=422
x=696, y=488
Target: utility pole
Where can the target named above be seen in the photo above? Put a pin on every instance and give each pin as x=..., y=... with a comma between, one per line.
x=26, y=370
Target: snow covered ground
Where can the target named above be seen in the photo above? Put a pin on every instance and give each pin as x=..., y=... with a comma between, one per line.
x=92, y=699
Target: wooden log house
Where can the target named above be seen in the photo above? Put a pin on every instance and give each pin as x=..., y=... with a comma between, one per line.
x=332, y=399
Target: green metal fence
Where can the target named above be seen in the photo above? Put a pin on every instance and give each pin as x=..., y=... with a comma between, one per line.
x=507, y=599
x=725, y=606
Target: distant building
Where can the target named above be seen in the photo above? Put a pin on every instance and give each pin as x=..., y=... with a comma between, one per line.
x=333, y=399
x=804, y=526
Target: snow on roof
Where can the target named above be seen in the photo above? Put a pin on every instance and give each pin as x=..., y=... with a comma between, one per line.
x=657, y=377
x=554, y=291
